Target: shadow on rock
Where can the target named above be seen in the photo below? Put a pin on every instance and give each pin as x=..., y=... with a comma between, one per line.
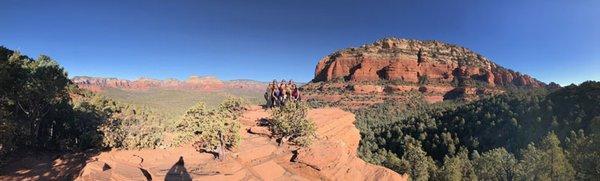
x=46, y=166
x=178, y=172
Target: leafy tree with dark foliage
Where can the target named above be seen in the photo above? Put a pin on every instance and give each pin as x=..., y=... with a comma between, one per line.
x=42, y=110
x=34, y=99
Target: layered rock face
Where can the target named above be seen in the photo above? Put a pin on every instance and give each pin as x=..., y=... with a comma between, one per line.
x=199, y=83
x=408, y=60
x=393, y=69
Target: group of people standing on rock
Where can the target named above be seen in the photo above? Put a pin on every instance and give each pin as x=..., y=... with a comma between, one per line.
x=278, y=94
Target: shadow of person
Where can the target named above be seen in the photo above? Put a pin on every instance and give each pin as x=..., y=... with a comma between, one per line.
x=178, y=172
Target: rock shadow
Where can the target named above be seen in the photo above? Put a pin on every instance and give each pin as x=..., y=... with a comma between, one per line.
x=178, y=172
x=47, y=165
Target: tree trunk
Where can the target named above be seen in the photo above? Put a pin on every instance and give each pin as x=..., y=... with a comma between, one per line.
x=221, y=147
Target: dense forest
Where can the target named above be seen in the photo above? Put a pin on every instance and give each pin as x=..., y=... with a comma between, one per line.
x=523, y=134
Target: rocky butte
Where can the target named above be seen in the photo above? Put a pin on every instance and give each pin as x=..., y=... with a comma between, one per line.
x=394, y=66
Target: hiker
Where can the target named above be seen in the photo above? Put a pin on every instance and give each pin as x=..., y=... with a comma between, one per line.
x=288, y=90
x=276, y=94
x=280, y=92
x=269, y=94
x=282, y=96
x=295, y=94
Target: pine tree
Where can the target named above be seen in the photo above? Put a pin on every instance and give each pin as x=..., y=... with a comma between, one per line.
x=545, y=162
x=584, y=153
x=458, y=167
x=496, y=164
x=420, y=166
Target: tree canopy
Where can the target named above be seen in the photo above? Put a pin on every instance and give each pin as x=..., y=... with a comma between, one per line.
x=558, y=126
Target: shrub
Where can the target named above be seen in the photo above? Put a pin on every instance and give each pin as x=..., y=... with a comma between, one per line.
x=235, y=105
x=212, y=130
x=289, y=123
x=423, y=80
x=109, y=124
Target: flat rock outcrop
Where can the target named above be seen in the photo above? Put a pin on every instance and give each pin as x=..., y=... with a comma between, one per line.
x=332, y=156
x=334, y=153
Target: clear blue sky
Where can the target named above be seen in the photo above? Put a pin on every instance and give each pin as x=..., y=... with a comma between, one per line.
x=550, y=40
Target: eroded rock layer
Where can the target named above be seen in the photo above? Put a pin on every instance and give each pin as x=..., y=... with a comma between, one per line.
x=393, y=69
x=410, y=60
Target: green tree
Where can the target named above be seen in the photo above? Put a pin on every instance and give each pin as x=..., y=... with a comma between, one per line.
x=457, y=167
x=33, y=98
x=41, y=109
x=420, y=166
x=213, y=131
x=235, y=105
x=289, y=123
x=546, y=162
x=584, y=153
x=423, y=80
x=391, y=161
x=496, y=164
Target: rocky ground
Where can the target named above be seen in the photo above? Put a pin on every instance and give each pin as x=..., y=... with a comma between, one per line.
x=331, y=157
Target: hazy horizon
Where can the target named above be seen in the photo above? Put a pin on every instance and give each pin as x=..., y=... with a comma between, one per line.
x=551, y=41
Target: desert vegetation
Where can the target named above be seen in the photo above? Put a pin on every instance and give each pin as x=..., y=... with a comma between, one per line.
x=34, y=99
x=211, y=130
x=42, y=110
x=171, y=104
x=524, y=134
x=289, y=123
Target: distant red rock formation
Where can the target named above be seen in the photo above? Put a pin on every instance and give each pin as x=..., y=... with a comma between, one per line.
x=197, y=83
x=407, y=60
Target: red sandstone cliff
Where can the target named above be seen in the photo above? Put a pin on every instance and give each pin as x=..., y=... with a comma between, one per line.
x=395, y=69
x=406, y=60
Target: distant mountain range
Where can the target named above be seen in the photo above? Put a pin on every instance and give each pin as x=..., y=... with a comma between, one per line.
x=196, y=83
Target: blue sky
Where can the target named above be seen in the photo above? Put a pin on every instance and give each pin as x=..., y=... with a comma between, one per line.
x=550, y=40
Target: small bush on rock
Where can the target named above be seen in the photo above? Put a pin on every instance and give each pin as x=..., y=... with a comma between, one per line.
x=234, y=105
x=289, y=123
x=212, y=130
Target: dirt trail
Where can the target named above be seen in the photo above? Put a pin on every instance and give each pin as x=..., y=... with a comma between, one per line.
x=331, y=157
